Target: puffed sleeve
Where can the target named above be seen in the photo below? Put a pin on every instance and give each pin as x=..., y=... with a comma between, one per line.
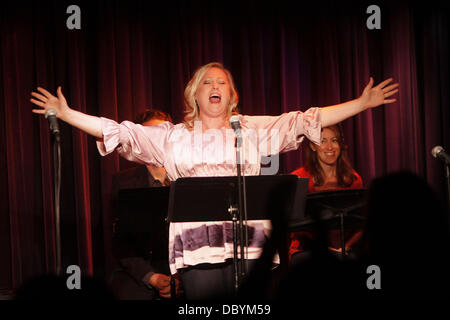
x=284, y=133
x=134, y=142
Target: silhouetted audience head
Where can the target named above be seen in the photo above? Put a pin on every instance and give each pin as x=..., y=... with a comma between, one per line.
x=407, y=235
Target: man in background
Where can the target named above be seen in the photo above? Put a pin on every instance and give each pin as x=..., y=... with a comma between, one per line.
x=139, y=276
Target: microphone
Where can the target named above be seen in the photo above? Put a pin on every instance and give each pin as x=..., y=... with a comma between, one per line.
x=235, y=122
x=439, y=152
x=50, y=114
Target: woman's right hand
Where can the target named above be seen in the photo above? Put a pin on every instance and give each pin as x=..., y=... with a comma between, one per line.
x=46, y=100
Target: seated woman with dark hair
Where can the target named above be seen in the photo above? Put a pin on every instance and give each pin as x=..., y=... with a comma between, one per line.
x=328, y=168
x=327, y=165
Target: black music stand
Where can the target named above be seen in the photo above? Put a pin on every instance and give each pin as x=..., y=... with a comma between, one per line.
x=298, y=211
x=142, y=217
x=336, y=209
x=216, y=198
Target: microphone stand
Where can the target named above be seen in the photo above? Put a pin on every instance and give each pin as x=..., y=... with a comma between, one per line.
x=439, y=153
x=234, y=217
x=57, y=196
x=447, y=176
x=242, y=208
x=233, y=211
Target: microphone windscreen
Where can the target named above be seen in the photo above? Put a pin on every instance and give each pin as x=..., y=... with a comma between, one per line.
x=50, y=112
x=436, y=150
x=235, y=119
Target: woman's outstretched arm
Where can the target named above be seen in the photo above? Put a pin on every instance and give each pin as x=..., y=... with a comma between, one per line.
x=45, y=100
x=371, y=97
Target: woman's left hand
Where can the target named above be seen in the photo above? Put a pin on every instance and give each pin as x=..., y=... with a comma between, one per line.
x=375, y=96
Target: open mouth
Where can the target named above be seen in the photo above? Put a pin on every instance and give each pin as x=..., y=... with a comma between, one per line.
x=215, y=98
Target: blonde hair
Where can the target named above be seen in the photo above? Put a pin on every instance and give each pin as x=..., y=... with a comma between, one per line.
x=192, y=111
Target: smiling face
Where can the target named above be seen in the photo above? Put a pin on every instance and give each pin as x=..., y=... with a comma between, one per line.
x=329, y=150
x=213, y=94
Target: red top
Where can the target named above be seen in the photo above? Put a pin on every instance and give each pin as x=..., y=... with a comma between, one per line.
x=303, y=173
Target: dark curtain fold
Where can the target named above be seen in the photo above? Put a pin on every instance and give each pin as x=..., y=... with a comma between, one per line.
x=130, y=55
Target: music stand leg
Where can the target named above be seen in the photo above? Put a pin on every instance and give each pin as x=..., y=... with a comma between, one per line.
x=341, y=214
